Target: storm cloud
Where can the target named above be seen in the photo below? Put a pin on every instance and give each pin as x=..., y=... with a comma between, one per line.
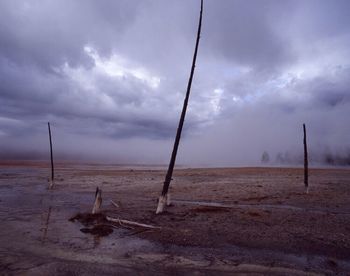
x=111, y=76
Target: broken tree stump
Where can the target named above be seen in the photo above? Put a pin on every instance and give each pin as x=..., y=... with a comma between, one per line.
x=98, y=201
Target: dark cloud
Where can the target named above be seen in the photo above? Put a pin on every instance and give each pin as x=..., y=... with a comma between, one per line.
x=52, y=33
x=111, y=77
x=244, y=32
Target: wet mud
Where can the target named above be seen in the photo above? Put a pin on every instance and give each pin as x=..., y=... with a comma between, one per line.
x=247, y=220
x=95, y=224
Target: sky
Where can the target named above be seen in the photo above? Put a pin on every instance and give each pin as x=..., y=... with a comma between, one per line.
x=111, y=77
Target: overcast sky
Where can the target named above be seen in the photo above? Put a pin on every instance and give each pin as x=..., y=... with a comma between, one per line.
x=111, y=77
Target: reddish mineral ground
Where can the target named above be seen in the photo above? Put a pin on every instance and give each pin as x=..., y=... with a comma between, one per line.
x=222, y=221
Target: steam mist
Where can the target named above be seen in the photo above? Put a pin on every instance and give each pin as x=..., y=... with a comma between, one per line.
x=112, y=83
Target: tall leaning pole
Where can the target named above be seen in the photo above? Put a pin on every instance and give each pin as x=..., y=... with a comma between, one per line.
x=306, y=163
x=164, y=198
x=51, y=156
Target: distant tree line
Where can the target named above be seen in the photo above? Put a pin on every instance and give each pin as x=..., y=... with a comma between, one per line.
x=337, y=159
x=323, y=158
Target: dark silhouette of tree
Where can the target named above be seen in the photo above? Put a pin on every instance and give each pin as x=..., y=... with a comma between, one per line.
x=306, y=162
x=164, y=198
x=265, y=158
x=51, y=157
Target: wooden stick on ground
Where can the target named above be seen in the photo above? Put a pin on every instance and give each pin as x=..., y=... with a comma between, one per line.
x=115, y=204
x=164, y=198
x=51, y=155
x=306, y=168
x=129, y=222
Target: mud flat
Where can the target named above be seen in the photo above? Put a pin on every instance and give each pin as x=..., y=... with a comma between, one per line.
x=241, y=220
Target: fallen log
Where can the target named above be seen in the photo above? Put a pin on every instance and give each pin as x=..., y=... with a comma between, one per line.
x=129, y=222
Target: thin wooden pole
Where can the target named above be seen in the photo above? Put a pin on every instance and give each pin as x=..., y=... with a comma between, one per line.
x=306, y=169
x=51, y=155
x=164, y=196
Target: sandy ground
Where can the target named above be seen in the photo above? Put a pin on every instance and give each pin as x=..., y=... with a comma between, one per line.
x=243, y=220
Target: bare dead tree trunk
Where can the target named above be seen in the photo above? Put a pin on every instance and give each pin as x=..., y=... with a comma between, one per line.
x=51, y=155
x=164, y=198
x=98, y=201
x=306, y=172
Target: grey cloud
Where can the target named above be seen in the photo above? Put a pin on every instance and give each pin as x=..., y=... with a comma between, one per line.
x=48, y=34
x=264, y=68
x=243, y=31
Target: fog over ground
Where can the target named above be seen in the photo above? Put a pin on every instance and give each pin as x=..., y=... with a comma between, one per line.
x=111, y=77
